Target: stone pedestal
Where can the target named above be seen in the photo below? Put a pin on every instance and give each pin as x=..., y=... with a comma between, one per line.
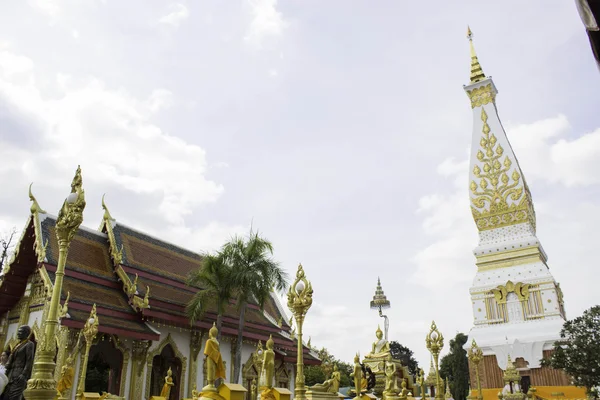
x=282, y=394
x=391, y=396
x=312, y=395
x=367, y=396
x=377, y=365
x=91, y=395
x=232, y=391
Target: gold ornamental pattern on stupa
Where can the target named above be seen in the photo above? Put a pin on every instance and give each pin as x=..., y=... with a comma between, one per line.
x=500, y=196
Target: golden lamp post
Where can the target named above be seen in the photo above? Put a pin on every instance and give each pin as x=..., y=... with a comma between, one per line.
x=89, y=333
x=476, y=356
x=435, y=343
x=42, y=385
x=299, y=301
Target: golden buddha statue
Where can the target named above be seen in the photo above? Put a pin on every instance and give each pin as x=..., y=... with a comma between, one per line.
x=214, y=362
x=358, y=376
x=391, y=380
x=268, y=365
x=166, y=390
x=381, y=347
x=331, y=385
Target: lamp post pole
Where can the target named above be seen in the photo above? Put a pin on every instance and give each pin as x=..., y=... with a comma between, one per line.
x=42, y=385
x=476, y=356
x=435, y=343
x=89, y=333
x=299, y=301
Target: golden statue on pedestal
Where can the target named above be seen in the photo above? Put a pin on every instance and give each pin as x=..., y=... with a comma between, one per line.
x=214, y=362
x=360, y=382
x=391, y=378
x=166, y=390
x=331, y=385
x=268, y=372
x=380, y=348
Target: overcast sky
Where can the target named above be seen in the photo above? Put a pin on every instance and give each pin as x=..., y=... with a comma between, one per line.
x=340, y=128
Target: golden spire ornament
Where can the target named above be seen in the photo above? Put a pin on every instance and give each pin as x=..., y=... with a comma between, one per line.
x=476, y=71
x=42, y=385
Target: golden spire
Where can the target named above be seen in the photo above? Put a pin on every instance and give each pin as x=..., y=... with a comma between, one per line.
x=476, y=71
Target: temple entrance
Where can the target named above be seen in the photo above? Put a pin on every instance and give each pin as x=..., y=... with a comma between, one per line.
x=160, y=365
x=250, y=374
x=525, y=383
x=104, y=368
x=282, y=377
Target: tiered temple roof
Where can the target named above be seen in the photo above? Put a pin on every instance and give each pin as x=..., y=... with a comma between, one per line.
x=114, y=267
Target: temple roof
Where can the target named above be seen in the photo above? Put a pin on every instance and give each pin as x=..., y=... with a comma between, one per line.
x=113, y=267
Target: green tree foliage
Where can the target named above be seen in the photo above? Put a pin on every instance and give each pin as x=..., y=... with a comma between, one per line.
x=578, y=351
x=454, y=366
x=215, y=280
x=255, y=275
x=242, y=269
x=405, y=355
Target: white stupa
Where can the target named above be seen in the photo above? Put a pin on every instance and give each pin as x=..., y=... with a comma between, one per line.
x=518, y=307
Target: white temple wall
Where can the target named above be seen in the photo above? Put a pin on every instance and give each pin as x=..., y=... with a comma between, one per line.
x=181, y=341
x=11, y=331
x=35, y=316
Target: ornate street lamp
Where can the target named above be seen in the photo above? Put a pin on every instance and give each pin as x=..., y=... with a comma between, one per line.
x=42, y=385
x=89, y=333
x=380, y=302
x=476, y=356
x=299, y=301
x=435, y=343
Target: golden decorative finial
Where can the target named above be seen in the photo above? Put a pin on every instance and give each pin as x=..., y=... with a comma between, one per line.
x=35, y=206
x=107, y=215
x=476, y=71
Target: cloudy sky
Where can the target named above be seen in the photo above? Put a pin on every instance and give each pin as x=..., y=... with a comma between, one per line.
x=340, y=128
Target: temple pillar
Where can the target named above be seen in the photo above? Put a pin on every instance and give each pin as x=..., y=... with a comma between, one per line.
x=139, y=353
x=195, y=347
x=124, y=370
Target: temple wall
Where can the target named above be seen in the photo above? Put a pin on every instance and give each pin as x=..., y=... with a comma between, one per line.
x=35, y=316
x=491, y=374
x=180, y=342
x=11, y=331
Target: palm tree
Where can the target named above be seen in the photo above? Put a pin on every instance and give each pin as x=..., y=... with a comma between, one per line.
x=216, y=285
x=256, y=275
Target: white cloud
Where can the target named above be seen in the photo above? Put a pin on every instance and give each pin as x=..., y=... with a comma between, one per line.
x=545, y=154
x=48, y=7
x=267, y=22
x=110, y=133
x=178, y=14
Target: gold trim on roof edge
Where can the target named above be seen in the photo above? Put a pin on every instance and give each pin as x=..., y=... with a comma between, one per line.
x=482, y=95
x=130, y=288
x=107, y=224
x=36, y=210
x=495, y=187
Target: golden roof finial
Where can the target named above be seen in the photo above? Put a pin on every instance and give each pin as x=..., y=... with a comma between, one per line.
x=476, y=71
x=107, y=215
x=35, y=206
